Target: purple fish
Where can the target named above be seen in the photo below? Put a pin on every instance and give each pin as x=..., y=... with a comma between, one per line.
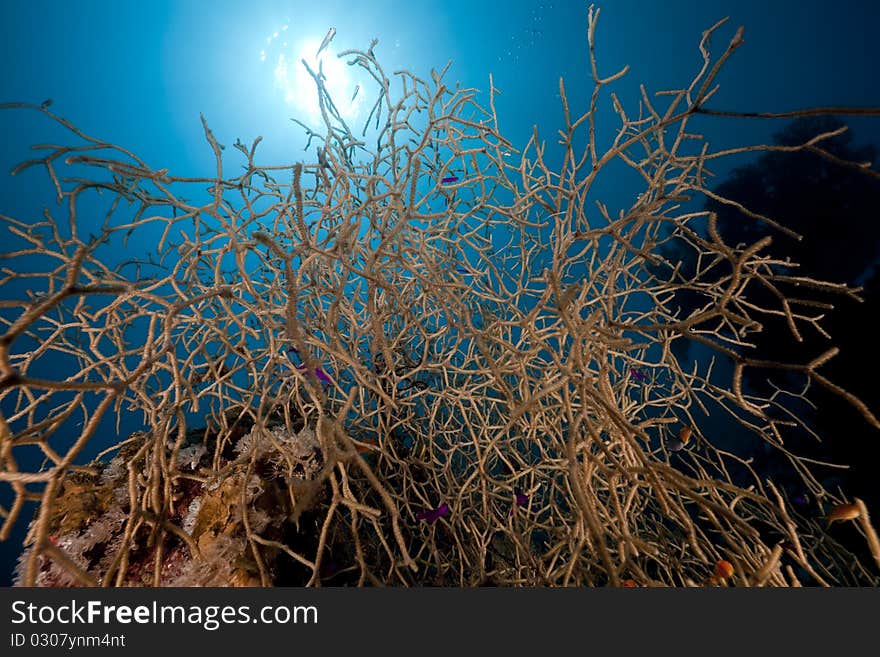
x=520, y=499
x=433, y=515
x=638, y=376
x=800, y=500
x=330, y=568
x=450, y=179
x=321, y=374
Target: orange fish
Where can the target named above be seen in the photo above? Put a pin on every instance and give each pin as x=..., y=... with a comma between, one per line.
x=723, y=569
x=685, y=435
x=368, y=448
x=843, y=512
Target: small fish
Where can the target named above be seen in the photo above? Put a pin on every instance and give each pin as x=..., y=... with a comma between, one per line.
x=520, y=499
x=357, y=88
x=366, y=449
x=433, y=515
x=330, y=568
x=800, y=500
x=450, y=179
x=321, y=374
x=327, y=39
x=638, y=376
x=675, y=445
x=843, y=512
x=46, y=103
x=723, y=569
x=684, y=435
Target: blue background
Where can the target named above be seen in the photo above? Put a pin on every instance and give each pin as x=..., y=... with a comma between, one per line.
x=138, y=74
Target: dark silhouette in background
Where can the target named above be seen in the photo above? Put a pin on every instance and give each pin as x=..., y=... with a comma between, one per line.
x=835, y=208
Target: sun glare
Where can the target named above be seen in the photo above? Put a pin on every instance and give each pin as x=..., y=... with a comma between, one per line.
x=296, y=88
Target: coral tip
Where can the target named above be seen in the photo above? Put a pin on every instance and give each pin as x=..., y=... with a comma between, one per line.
x=723, y=569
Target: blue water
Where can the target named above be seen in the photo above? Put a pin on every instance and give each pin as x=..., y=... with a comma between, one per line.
x=139, y=74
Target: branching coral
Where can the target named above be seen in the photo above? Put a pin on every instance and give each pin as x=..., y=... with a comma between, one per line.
x=437, y=319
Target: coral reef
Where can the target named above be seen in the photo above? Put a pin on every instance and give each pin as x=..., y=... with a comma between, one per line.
x=254, y=493
x=423, y=357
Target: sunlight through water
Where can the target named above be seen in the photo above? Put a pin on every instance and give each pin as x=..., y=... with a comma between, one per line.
x=283, y=55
